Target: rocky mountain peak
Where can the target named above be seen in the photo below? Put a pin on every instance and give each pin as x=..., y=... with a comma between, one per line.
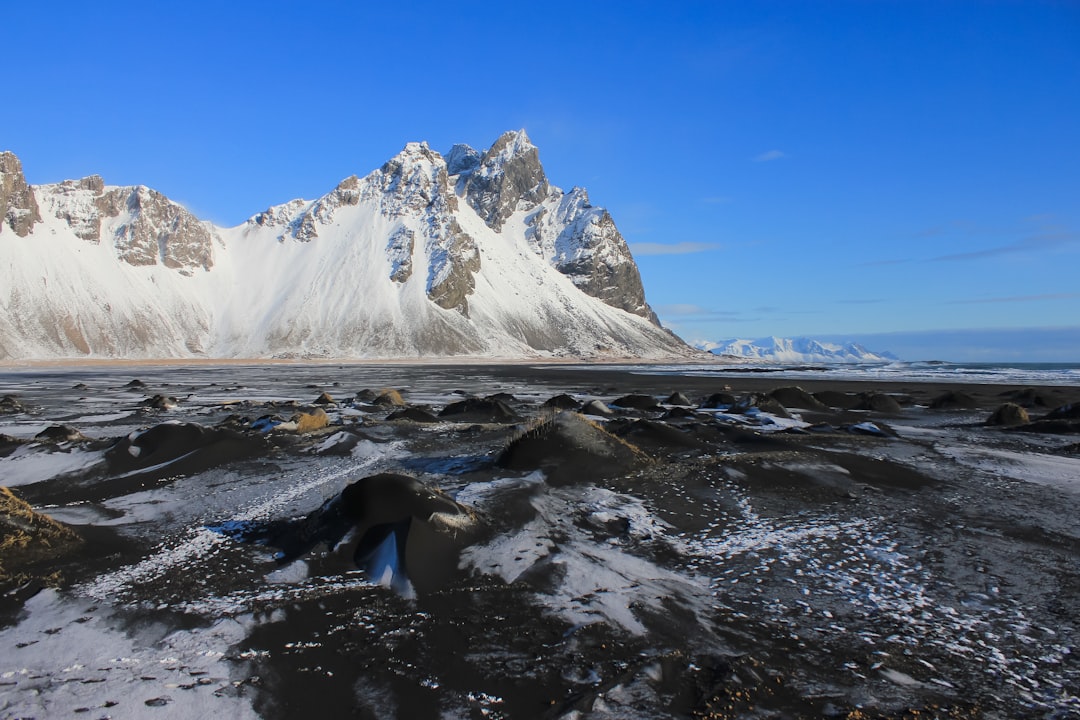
x=18, y=206
x=509, y=174
x=462, y=160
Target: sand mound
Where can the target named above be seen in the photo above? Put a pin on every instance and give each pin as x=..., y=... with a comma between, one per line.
x=317, y=419
x=1065, y=412
x=879, y=402
x=637, y=402
x=569, y=447
x=389, y=398
x=836, y=399
x=1009, y=415
x=1028, y=397
x=562, y=402
x=796, y=397
x=677, y=398
x=954, y=399
x=718, y=400
x=179, y=448
x=480, y=410
x=416, y=415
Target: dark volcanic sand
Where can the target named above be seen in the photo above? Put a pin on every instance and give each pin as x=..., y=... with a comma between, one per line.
x=845, y=563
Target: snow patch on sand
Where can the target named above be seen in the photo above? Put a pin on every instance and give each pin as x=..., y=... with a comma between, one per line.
x=68, y=657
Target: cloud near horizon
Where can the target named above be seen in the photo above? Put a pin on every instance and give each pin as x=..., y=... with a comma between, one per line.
x=680, y=248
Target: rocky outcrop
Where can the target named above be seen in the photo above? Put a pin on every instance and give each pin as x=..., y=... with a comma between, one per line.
x=507, y=175
x=144, y=226
x=18, y=206
x=158, y=230
x=579, y=240
x=586, y=246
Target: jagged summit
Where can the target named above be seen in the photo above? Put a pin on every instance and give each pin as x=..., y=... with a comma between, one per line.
x=474, y=253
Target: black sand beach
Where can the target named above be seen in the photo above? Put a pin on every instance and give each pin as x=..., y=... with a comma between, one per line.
x=703, y=547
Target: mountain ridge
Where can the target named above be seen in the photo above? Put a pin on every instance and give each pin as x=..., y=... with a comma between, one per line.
x=795, y=350
x=472, y=254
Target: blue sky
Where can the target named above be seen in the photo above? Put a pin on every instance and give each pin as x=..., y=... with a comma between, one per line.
x=867, y=170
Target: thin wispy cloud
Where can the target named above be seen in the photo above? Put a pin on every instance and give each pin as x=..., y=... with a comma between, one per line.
x=717, y=200
x=687, y=310
x=1033, y=243
x=1019, y=299
x=878, y=263
x=770, y=156
x=681, y=248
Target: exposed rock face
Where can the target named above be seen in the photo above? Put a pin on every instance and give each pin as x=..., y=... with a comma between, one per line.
x=508, y=174
x=580, y=240
x=583, y=243
x=159, y=231
x=144, y=226
x=18, y=206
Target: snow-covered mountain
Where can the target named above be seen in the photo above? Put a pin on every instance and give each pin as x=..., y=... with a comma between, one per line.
x=796, y=350
x=474, y=253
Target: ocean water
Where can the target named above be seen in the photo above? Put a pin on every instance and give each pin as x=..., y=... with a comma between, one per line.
x=933, y=371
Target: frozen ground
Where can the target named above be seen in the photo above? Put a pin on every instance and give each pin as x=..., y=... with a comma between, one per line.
x=753, y=566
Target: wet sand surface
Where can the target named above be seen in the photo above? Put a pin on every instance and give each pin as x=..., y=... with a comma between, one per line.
x=848, y=549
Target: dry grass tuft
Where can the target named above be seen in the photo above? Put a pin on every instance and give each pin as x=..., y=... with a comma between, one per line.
x=27, y=536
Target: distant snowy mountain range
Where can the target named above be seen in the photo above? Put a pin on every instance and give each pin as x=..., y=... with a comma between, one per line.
x=472, y=253
x=796, y=350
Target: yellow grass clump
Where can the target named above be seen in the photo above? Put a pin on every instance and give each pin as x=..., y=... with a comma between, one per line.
x=27, y=536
